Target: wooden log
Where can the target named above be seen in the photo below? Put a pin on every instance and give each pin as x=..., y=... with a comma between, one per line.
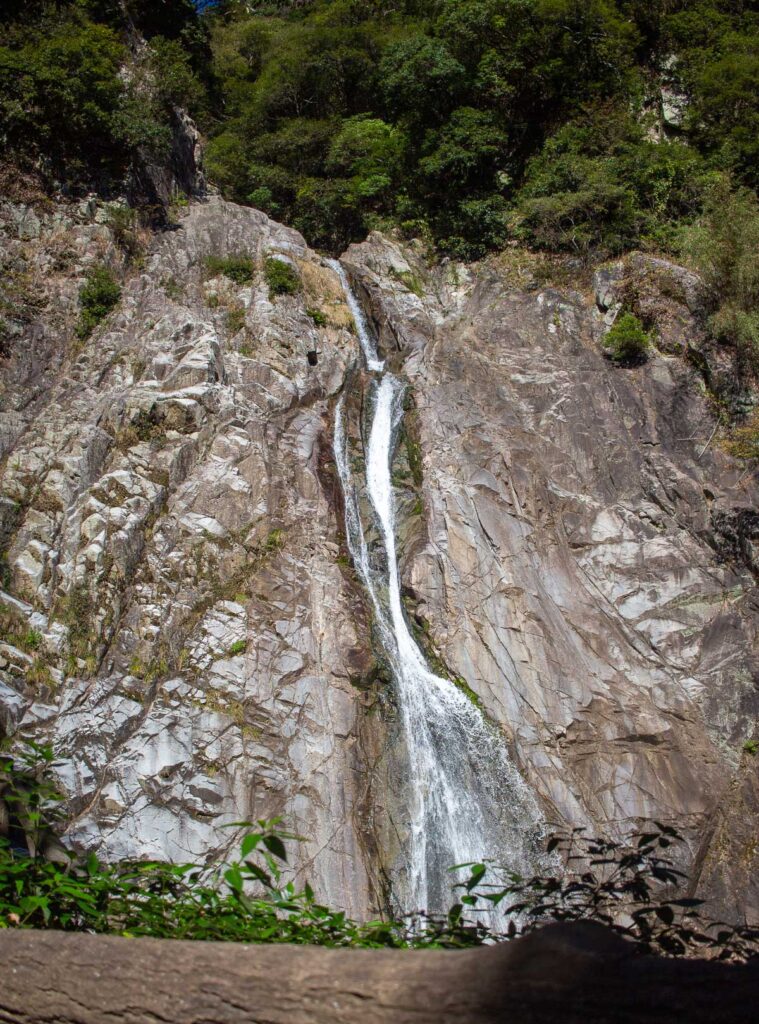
x=564, y=974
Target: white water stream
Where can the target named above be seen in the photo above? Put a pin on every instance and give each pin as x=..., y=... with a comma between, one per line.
x=465, y=799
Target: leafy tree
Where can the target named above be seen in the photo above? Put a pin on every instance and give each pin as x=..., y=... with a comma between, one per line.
x=326, y=212
x=176, y=84
x=467, y=151
x=599, y=184
x=420, y=79
x=63, y=96
x=61, y=92
x=725, y=114
x=369, y=152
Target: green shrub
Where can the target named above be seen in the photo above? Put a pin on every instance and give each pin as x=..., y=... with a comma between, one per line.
x=122, y=221
x=275, y=541
x=317, y=316
x=32, y=640
x=627, y=343
x=238, y=647
x=281, y=277
x=99, y=294
x=751, y=747
x=631, y=887
x=743, y=440
x=238, y=268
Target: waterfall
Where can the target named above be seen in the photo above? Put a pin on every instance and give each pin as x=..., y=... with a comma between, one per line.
x=465, y=799
x=369, y=349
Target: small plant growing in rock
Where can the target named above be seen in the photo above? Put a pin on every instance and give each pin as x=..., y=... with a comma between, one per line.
x=123, y=224
x=172, y=287
x=235, y=319
x=281, y=278
x=238, y=268
x=410, y=280
x=97, y=297
x=39, y=676
x=627, y=343
x=751, y=747
x=275, y=541
x=317, y=316
x=32, y=640
x=743, y=441
x=238, y=647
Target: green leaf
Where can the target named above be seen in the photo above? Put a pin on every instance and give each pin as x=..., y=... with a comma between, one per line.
x=233, y=878
x=248, y=845
x=274, y=845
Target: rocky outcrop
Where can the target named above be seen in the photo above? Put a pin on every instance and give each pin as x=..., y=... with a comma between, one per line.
x=574, y=973
x=571, y=563
x=157, y=182
x=175, y=555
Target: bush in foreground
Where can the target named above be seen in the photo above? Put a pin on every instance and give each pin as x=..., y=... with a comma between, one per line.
x=630, y=888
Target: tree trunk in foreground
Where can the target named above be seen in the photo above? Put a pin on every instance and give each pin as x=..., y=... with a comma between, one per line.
x=564, y=974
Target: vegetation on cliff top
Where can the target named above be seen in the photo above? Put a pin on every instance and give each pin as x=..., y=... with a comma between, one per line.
x=69, y=111
x=468, y=121
x=474, y=121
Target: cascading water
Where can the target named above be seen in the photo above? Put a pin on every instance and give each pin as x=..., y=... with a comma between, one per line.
x=368, y=348
x=466, y=800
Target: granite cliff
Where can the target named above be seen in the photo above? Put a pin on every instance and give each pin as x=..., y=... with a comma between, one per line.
x=576, y=548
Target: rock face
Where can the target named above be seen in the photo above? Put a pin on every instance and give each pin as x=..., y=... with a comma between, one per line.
x=571, y=565
x=170, y=541
x=181, y=623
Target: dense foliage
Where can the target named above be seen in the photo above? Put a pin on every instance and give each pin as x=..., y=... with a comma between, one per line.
x=627, y=887
x=68, y=111
x=467, y=121
x=724, y=245
x=478, y=120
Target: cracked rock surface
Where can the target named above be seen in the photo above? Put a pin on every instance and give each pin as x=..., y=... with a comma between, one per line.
x=178, y=617
x=571, y=566
x=168, y=538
